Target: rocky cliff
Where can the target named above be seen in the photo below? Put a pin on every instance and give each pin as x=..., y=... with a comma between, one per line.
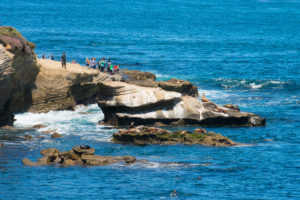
x=29, y=84
x=18, y=69
x=59, y=89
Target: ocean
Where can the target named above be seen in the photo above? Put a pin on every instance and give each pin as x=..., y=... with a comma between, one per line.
x=238, y=52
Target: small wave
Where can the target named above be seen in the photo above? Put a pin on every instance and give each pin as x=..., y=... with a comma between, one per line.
x=255, y=86
x=245, y=84
x=214, y=94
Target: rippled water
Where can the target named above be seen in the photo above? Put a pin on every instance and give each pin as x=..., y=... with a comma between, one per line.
x=239, y=52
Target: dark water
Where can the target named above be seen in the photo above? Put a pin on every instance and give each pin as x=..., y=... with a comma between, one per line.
x=239, y=52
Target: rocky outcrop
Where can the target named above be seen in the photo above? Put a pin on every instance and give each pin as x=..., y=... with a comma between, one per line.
x=18, y=70
x=59, y=89
x=123, y=104
x=147, y=79
x=79, y=155
x=143, y=135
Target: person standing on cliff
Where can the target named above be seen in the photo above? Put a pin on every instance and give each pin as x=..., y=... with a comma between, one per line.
x=64, y=60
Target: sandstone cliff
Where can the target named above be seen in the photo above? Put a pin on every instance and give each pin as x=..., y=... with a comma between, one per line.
x=18, y=69
x=60, y=89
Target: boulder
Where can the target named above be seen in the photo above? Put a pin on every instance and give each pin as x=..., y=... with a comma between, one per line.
x=1, y=144
x=56, y=135
x=79, y=155
x=123, y=104
x=143, y=135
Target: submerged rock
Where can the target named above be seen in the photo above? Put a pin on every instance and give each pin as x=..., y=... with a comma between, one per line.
x=143, y=135
x=38, y=126
x=28, y=137
x=79, y=155
x=56, y=135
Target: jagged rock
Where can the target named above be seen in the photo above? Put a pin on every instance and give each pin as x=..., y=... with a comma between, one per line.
x=143, y=135
x=79, y=155
x=56, y=135
x=124, y=103
x=38, y=126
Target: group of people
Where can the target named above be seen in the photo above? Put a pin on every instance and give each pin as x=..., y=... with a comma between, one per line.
x=102, y=65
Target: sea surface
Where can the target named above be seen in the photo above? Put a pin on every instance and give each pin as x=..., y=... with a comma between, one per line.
x=239, y=52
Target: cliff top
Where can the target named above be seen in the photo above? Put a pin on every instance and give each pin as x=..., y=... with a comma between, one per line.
x=55, y=67
x=12, y=32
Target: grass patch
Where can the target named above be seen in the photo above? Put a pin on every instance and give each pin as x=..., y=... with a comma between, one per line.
x=12, y=32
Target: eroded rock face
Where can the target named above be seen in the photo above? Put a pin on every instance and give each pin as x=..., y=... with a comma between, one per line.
x=123, y=104
x=79, y=155
x=58, y=89
x=18, y=69
x=143, y=135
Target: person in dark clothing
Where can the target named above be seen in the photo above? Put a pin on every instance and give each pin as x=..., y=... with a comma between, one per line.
x=102, y=64
x=43, y=56
x=108, y=65
x=64, y=60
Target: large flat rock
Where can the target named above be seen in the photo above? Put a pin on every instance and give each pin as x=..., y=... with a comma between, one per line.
x=124, y=104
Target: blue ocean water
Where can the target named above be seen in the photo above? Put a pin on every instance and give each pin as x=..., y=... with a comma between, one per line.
x=238, y=52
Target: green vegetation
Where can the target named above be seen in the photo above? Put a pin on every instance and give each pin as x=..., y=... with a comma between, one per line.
x=194, y=137
x=12, y=32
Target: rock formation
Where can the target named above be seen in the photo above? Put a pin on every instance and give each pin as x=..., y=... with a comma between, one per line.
x=124, y=103
x=142, y=135
x=18, y=69
x=79, y=155
x=59, y=89
x=147, y=79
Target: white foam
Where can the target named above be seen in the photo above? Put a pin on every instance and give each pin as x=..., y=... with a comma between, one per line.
x=255, y=86
x=214, y=94
x=81, y=122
